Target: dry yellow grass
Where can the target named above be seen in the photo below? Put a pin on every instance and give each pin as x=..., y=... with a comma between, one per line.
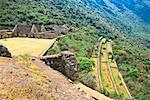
x=95, y=72
x=117, y=79
x=31, y=46
x=23, y=80
x=106, y=79
x=116, y=76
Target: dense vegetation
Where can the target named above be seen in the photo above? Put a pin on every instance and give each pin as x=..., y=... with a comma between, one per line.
x=131, y=50
x=133, y=63
x=128, y=16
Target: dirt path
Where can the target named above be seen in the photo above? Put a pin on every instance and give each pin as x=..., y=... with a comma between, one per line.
x=92, y=92
x=99, y=65
x=77, y=90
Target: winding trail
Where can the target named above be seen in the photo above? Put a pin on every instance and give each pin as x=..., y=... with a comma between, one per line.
x=124, y=84
x=99, y=65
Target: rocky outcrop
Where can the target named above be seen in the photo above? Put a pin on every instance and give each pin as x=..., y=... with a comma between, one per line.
x=64, y=62
x=4, y=51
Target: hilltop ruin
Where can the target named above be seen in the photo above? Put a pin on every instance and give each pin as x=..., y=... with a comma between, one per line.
x=36, y=31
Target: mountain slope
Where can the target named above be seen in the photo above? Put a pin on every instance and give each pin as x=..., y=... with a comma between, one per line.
x=127, y=15
x=118, y=20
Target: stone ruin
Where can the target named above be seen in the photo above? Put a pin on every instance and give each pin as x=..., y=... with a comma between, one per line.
x=32, y=31
x=64, y=62
x=9, y=28
x=36, y=31
x=4, y=52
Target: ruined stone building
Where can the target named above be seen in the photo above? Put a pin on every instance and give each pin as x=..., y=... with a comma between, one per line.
x=36, y=31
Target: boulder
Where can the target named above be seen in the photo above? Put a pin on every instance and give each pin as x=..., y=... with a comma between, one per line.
x=4, y=52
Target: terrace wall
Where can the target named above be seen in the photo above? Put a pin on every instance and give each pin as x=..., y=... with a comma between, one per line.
x=41, y=28
x=64, y=62
x=6, y=27
x=21, y=30
x=33, y=32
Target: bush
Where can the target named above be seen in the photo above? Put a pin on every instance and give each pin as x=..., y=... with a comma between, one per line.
x=88, y=79
x=53, y=51
x=147, y=63
x=86, y=64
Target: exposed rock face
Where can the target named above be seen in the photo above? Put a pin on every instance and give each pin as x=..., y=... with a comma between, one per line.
x=4, y=51
x=64, y=62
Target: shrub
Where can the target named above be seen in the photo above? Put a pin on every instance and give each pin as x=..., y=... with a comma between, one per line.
x=86, y=64
x=87, y=78
x=147, y=63
x=53, y=51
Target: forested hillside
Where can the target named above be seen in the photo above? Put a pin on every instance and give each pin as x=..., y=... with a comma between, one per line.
x=131, y=39
x=127, y=15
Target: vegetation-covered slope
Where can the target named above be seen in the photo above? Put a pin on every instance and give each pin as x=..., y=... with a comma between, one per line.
x=82, y=44
x=126, y=15
x=131, y=50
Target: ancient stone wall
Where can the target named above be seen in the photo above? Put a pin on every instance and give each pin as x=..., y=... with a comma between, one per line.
x=6, y=27
x=60, y=29
x=34, y=29
x=38, y=28
x=64, y=62
x=41, y=28
x=49, y=35
x=22, y=30
x=38, y=31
